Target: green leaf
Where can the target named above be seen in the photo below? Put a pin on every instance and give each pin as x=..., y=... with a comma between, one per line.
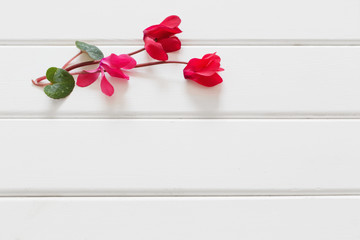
x=62, y=83
x=93, y=51
x=50, y=74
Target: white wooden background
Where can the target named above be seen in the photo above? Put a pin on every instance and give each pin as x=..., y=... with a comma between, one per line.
x=272, y=153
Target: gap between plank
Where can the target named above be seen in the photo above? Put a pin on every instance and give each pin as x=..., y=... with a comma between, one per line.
x=168, y=117
x=186, y=42
x=153, y=193
x=185, y=119
x=181, y=196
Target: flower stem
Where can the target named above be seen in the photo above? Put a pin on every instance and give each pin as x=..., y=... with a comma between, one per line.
x=39, y=84
x=72, y=59
x=37, y=81
x=77, y=73
x=156, y=63
x=82, y=65
x=132, y=53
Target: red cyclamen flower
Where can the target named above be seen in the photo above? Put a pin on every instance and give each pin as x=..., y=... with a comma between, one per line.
x=204, y=70
x=159, y=39
x=112, y=65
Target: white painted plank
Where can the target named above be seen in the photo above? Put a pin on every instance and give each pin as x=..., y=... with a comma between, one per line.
x=179, y=157
x=202, y=19
x=298, y=218
x=275, y=82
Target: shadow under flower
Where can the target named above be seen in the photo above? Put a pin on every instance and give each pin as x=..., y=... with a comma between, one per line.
x=53, y=105
x=121, y=86
x=205, y=99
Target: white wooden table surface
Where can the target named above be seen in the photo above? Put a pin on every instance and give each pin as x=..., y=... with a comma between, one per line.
x=271, y=153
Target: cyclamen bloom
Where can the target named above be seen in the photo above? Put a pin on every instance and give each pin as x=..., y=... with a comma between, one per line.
x=159, y=39
x=204, y=70
x=112, y=65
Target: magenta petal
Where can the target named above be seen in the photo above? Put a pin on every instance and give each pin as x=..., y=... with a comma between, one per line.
x=188, y=74
x=115, y=72
x=160, y=31
x=207, y=72
x=208, y=81
x=121, y=61
x=195, y=64
x=85, y=79
x=210, y=69
x=170, y=44
x=171, y=21
x=131, y=62
x=155, y=49
x=106, y=87
x=209, y=55
x=212, y=57
x=93, y=70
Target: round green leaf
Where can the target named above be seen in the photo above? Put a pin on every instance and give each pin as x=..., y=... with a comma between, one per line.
x=62, y=84
x=50, y=74
x=93, y=51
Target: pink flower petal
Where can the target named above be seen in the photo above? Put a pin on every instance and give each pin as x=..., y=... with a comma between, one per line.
x=194, y=65
x=131, y=62
x=93, y=70
x=212, y=56
x=208, y=81
x=160, y=32
x=171, y=21
x=121, y=61
x=85, y=79
x=204, y=71
x=209, y=59
x=155, y=49
x=206, y=66
x=114, y=72
x=170, y=44
x=106, y=87
x=210, y=69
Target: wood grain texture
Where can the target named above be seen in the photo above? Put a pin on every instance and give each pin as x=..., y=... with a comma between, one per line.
x=180, y=218
x=259, y=82
x=230, y=19
x=179, y=157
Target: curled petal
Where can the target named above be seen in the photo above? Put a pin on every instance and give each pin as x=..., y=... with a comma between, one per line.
x=210, y=69
x=115, y=72
x=194, y=65
x=206, y=66
x=121, y=61
x=212, y=57
x=106, y=87
x=155, y=49
x=160, y=32
x=96, y=70
x=86, y=79
x=131, y=62
x=170, y=44
x=171, y=21
x=207, y=81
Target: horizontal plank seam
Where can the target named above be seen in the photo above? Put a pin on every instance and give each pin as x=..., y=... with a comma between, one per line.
x=184, y=196
x=187, y=42
x=341, y=117
x=182, y=119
